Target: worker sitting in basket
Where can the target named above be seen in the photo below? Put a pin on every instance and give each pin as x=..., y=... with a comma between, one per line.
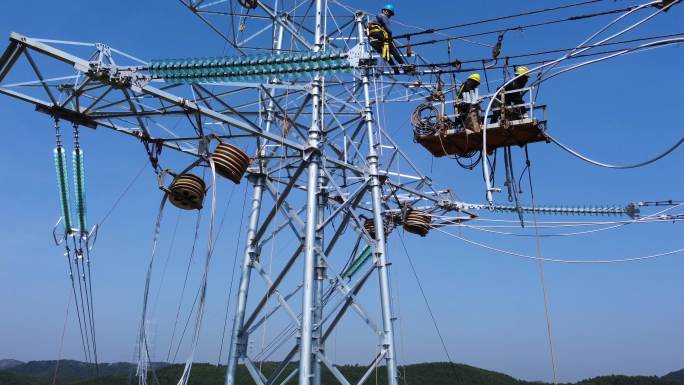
x=380, y=35
x=513, y=94
x=468, y=104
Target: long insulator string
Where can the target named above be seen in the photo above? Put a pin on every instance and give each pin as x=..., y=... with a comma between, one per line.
x=62, y=176
x=79, y=183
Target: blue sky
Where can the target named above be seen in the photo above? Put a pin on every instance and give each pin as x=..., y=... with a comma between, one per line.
x=620, y=318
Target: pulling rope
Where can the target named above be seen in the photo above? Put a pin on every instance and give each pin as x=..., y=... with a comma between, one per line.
x=185, y=283
x=542, y=278
x=232, y=276
x=61, y=342
x=429, y=309
x=144, y=359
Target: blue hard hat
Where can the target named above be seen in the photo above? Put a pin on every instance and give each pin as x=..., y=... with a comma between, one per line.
x=389, y=7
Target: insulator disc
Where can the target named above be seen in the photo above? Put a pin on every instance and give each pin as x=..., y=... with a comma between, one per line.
x=230, y=162
x=417, y=222
x=187, y=192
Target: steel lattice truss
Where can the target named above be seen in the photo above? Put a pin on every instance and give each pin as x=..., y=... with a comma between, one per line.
x=318, y=150
x=321, y=170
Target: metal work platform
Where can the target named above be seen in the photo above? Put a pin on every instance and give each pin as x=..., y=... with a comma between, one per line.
x=464, y=142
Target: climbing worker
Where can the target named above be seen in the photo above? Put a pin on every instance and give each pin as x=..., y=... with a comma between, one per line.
x=380, y=34
x=468, y=103
x=513, y=94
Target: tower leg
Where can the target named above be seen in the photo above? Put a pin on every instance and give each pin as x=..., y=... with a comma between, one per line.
x=238, y=339
x=318, y=344
x=238, y=342
x=380, y=255
x=313, y=186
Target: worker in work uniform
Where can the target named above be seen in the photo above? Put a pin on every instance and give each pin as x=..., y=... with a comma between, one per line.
x=513, y=94
x=468, y=103
x=380, y=36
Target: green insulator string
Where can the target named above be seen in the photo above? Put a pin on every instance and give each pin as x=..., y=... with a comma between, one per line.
x=62, y=179
x=79, y=183
x=215, y=70
x=79, y=189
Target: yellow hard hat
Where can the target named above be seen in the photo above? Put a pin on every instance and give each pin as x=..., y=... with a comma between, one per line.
x=475, y=77
x=522, y=70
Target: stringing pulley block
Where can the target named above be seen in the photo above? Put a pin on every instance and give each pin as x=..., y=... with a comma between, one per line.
x=230, y=162
x=187, y=192
x=417, y=222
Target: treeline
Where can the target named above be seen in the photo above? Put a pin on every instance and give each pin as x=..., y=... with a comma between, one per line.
x=78, y=373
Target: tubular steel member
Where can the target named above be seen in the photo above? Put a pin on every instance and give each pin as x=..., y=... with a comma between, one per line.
x=238, y=343
x=238, y=339
x=314, y=159
x=318, y=343
x=387, y=338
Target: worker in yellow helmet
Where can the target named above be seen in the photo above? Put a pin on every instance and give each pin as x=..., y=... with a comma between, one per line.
x=469, y=88
x=467, y=103
x=513, y=94
x=380, y=35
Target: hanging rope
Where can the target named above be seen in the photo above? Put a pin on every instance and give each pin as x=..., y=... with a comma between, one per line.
x=232, y=274
x=61, y=341
x=542, y=278
x=144, y=359
x=429, y=309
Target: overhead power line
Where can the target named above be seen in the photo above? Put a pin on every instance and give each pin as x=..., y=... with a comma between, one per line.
x=551, y=51
x=483, y=21
x=525, y=26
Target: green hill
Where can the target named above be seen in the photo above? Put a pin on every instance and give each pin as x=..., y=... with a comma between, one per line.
x=677, y=376
x=79, y=373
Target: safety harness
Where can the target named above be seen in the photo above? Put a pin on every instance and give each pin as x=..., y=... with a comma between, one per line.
x=374, y=28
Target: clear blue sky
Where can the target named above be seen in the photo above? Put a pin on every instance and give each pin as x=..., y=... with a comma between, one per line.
x=606, y=319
